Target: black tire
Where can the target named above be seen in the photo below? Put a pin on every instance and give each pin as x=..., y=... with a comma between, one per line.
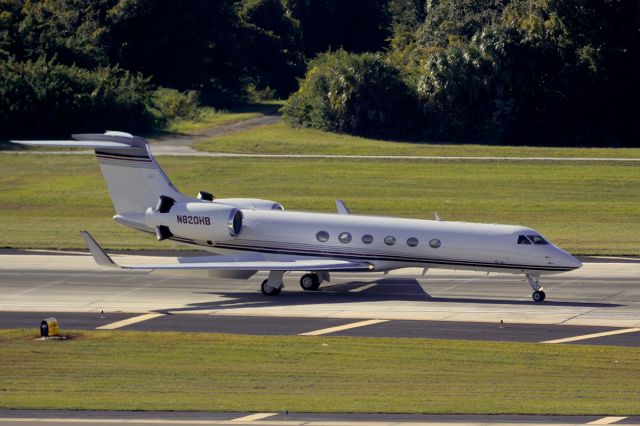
x=538, y=296
x=310, y=282
x=267, y=290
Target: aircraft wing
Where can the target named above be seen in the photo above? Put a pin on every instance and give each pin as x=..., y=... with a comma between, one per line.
x=248, y=262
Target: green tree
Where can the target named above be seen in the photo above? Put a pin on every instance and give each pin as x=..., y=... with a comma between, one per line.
x=353, y=25
x=9, y=20
x=193, y=45
x=73, y=31
x=456, y=21
x=274, y=45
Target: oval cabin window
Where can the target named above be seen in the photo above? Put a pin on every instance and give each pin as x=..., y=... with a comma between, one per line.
x=435, y=243
x=389, y=240
x=344, y=237
x=412, y=242
x=322, y=236
x=367, y=239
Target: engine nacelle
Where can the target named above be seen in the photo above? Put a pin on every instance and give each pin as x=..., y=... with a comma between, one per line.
x=197, y=221
x=251, y=203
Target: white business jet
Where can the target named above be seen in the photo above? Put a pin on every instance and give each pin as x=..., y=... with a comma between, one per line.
x=253, y=235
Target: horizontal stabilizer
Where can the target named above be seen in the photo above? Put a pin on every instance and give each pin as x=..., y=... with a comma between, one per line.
x=107, y=140
x=75, y=144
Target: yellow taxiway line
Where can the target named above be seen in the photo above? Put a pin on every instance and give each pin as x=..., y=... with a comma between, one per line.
x=252, y=417
x=128, y=321
x=593, y=336
x=342, y=327
x=606, y=420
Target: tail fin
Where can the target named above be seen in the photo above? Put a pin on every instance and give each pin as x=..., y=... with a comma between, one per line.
x=134, y=178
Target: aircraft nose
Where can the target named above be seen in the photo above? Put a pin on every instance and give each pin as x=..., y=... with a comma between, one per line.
x=570, y=261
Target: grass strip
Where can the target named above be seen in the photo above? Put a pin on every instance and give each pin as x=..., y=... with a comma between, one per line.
x=587, y=208
x=215, y=372
x=282, y=139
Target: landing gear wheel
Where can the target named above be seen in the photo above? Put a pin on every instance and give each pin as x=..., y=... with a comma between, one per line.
x=310, y=282
x=267, y=290
x=538, y=296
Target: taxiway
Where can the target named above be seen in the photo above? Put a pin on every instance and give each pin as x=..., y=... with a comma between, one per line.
x=597, y=304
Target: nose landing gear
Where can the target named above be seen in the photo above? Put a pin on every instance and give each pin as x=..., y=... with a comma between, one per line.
x=538, y=291
x=273, y=285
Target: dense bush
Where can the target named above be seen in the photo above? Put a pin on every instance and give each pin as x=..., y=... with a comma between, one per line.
x=359, y=94
x=43, y=98
x=172, y=104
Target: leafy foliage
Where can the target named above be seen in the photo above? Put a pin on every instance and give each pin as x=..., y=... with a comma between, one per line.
x=553, y=72
x=454, y=21
x=358, y=94
x=42, y=97
x=523, y=80
x=275, y=46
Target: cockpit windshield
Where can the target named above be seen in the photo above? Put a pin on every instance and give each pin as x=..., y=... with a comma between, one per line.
x=523, y=240
x=537, y=239
x=531, y=239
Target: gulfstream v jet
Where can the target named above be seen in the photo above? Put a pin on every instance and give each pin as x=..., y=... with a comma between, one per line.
x=251, y=235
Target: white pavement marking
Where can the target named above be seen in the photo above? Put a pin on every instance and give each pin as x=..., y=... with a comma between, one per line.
x=593, y=336
x=606, y=420
x=129, y=321
x=362, y=288
x=31, y=290
x=252, y=417
x=243, y=303
x=342, y=327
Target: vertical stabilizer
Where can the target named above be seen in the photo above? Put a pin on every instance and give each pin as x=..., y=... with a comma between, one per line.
x=134, y=178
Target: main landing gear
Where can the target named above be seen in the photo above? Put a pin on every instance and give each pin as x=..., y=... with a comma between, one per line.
x=310, y=282
x=273, y=285
x=538, y=291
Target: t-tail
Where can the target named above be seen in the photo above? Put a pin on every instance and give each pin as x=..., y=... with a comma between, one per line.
x=134, y=178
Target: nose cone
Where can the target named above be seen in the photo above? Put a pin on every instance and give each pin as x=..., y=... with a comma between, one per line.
x=570, y=261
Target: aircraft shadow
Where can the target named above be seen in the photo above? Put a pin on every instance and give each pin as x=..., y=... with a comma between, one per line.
x=396, y=289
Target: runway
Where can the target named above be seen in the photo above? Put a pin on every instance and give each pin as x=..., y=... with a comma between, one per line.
x=600, y=301
x=36, y=417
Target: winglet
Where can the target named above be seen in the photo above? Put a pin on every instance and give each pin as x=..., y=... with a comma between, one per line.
x=342, y=207
x=437, y=216
x=97, y=252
